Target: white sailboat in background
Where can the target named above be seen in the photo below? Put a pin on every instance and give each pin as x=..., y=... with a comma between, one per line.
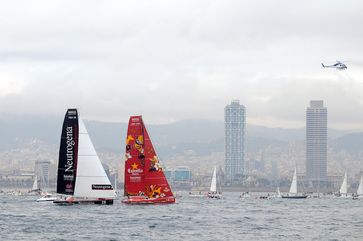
x=247, y=195
x=35, y=189
x=293, y=193
x=213, y=186
x=81, y=176
x=343, y=191
x=277, y=194
x=359, y=193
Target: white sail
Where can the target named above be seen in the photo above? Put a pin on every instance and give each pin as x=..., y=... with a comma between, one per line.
x=213, y=185
x=278, y=192
x=293, y=187
x=35, y=183
x=344, y=186
x=89, y=169
x=360, y=187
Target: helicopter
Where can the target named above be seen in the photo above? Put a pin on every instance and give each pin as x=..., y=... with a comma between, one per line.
x=338, y=65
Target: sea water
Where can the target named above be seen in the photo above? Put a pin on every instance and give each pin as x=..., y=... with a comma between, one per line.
x=230, y=218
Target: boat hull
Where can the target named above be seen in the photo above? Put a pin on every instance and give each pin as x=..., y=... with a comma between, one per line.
x=197, y=195
x=145, y=200
x=295, y=197
x=215, y=196
x=71, y=201
x=47, y=199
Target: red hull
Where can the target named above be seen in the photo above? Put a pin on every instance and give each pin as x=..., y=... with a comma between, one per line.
x=145, y=200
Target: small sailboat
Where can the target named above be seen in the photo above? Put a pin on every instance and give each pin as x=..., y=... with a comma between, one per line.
x=343, y=191
x=145, y=182
x=278, y=193
x=359, y=193
x=35, y=189
x=213, y=186
x=293, y=194
x=81, y=176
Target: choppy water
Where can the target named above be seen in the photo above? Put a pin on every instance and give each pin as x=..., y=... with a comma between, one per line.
x=21, y=218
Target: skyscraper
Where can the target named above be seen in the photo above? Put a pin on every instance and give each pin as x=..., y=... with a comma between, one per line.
x=316, y=141
x=235, y=123
x=42, y=172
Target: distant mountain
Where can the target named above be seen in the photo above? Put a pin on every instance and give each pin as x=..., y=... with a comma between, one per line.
x=352, y=142
x=201, y=136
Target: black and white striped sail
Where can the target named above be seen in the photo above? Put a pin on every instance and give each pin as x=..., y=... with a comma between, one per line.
x=80, y=172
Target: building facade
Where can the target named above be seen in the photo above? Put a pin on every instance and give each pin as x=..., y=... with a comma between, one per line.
x=41, y=171
x=316, y=141
x=235, y=125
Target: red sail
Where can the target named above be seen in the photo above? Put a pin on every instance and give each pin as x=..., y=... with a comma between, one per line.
x=143, y=173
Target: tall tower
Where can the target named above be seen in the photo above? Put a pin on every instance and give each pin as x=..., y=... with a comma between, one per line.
x=41, y=170
x=235, y=124
x=316, y=141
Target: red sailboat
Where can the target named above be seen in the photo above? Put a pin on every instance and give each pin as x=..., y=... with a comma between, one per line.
x=145, y=182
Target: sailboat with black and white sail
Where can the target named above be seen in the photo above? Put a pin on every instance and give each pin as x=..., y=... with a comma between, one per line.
x=81, y=176
x=293, y=193
x=145, y=182
x=213, y=186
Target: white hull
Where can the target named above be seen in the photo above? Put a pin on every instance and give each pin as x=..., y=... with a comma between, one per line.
x=82, y=200
x=245, y=196
x=46, y=199
x=197, y=195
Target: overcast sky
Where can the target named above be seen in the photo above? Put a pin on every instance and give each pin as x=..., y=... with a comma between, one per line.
x=174, y=60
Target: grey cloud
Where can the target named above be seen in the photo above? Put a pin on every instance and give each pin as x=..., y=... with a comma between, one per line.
x=174, y=60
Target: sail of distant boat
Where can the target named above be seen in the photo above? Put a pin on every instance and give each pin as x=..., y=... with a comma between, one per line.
x=145, y=181
x=293, y=187
x=35, y=184
x=278, y=193
x=80, y=172
x=360, y=187
x=213, y=185
x=344, y=187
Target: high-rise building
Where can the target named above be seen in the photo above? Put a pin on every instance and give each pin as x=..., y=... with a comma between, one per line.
x=316, y=141
x=235, y=124
x=42, y=172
